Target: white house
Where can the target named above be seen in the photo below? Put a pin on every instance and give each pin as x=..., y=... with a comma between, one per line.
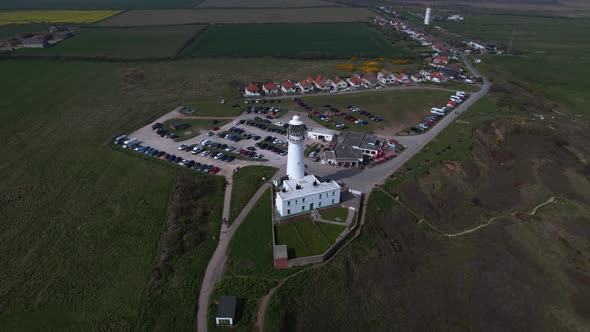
x=476, y=45
x=270, y=89
x=386, y=77
x=288, y=87
x=226, y=311
x=354, y=81
x=417, y=78
x=339, y=83
x=323, y=83
x=321, y=134
x=306, y=194
x=305, y=86
x=370, y=79
x=252, y=90
x=402, y=78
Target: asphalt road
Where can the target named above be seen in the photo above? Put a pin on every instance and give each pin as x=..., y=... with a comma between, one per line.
x=363, y=180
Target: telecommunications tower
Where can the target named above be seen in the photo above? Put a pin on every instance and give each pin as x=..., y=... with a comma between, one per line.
x=295, y=160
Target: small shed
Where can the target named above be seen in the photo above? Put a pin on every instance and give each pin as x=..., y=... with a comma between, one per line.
x=226, y=310
x=179, y=125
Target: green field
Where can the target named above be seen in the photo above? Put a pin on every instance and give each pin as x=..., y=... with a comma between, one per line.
x=246, y=182
x=334, y=40
x=304, y=237
x=551, y=53
x=399, y=109
x=96, y=4
x=197, y=126
x=123, y=43
x=86, y=219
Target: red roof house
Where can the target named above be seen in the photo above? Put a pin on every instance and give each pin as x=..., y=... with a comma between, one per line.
x=252, y=90
x=288, y=87
x=270, y=88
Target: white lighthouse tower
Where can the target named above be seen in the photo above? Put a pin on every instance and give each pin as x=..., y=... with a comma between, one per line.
x=295, y=159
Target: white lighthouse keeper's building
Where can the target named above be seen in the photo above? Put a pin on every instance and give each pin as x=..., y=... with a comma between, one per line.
x=301, y=193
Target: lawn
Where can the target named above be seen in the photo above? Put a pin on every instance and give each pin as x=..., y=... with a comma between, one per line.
x=263, y=3
x=399, y=109
x=197, y=126
x=121, y=43
x=335, y=40
x=335, y=213
x=305, y=237
x=54, y=16
x=246, y=182
x=254, y=15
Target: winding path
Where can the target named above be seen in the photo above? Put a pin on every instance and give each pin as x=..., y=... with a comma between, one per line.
x=215, y=267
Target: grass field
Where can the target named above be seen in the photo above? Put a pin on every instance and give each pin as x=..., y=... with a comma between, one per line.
x=86, y=219
x=264, y=3
x=54, y=16
x=96, y=4
x=123, y=43
x=197, y=126
x=399, y=109
x=554, y=55
x=276, y=15
x=246, y=182
x=305, y=237
x=341, y=40
x=213, y=107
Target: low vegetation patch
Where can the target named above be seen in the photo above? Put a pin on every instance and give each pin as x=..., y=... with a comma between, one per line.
x=54, y=16
x=319, y=40
x=246, y=182
x=186, y=245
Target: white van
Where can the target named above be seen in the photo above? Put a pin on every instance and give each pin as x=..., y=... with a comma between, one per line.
x=129, y=142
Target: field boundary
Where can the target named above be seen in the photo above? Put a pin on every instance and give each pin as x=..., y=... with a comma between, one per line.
x=191, y=40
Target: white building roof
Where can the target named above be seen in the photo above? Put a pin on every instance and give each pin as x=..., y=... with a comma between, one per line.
x=306, y=187
x=321, y=131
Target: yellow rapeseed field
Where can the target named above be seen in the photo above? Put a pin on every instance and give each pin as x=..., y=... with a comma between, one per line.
x=54, y=16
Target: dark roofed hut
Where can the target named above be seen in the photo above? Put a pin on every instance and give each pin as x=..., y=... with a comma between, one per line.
x=226, y=310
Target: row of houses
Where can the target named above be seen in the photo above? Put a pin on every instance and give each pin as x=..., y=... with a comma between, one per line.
x=322, y=83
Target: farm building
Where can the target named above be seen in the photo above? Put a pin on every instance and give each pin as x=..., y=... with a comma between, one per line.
x=270, y=89
x=306, y=194
x=35, y=42
x=321, y=134
x=226, y=310
x=252, y=90
x=288, y=87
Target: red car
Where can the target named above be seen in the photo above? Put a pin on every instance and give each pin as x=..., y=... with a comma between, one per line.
x=215, y=128
x=214, y=170
x=315, y=112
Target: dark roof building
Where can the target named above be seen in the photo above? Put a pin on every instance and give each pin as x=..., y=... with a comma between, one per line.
x=226, y=310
